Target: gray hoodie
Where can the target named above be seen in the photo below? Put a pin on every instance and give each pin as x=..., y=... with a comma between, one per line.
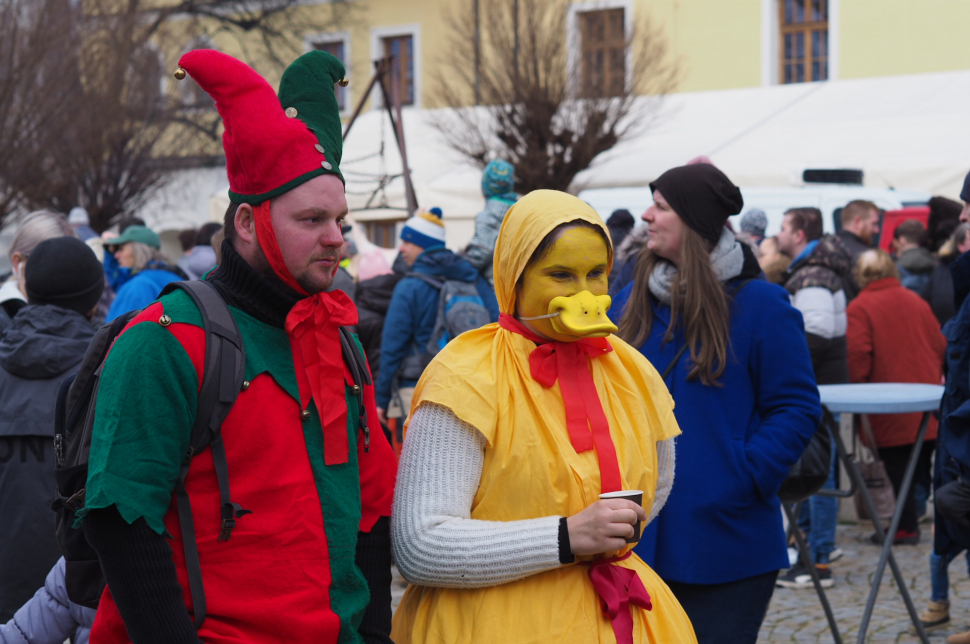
x=43, y=345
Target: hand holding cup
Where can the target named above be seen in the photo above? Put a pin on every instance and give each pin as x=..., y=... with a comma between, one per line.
x=607, y=525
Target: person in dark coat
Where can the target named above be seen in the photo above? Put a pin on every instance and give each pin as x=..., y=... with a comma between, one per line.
x=626, y=255
x=620, y=224
x=860, y=225
x=951, y=470
x=44, y=343
x=414, y=305
x=373, y=298
x=914, y=263
x=816, y=281
x=745, y=399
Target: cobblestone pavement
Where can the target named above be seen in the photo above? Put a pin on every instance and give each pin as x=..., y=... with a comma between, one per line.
x=797, y=615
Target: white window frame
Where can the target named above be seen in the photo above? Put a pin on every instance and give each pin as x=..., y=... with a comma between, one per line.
x=331, y=37
x=771, y=37
x=574, y=50
x=377, y=36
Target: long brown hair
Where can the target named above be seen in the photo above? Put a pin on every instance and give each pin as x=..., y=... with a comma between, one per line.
x=698, y=301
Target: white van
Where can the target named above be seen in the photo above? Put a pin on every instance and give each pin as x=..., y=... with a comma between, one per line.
x=827, y=197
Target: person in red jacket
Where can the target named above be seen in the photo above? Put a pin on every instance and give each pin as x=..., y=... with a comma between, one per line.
x=893, y=336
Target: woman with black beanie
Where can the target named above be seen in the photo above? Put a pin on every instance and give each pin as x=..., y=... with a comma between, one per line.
x=44, y=342
x=734, y=357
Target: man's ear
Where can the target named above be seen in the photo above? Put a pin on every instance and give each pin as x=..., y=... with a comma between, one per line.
x=245, y=223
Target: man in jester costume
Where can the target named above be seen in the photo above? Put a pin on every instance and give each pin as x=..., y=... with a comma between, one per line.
x=310, y=561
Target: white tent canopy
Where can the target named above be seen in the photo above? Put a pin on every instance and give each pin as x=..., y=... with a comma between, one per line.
x=902, y=131
x=908, y=132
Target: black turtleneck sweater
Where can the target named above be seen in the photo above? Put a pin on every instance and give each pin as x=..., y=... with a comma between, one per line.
x=137, y=562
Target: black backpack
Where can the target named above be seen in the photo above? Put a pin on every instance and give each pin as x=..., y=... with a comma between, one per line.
x=222, y=380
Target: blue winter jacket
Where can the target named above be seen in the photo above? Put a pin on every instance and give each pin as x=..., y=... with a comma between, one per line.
x=722, y=521
x=49, y=617
x=413, y=309
x=141, y=290
x=115, y=273
x=953, y=442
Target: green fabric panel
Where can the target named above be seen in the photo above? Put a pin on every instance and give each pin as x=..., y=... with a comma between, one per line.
x=307, y=85
x=135, y=380
x=267, y=351
x=339, y=490
x=136, y=456
x=267, y=347
x=254, y=200
x=180, y=306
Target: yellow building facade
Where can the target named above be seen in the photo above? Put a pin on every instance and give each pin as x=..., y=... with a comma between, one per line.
x=718, y=44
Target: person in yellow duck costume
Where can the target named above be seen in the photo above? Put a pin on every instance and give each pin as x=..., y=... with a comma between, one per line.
x=516, y=429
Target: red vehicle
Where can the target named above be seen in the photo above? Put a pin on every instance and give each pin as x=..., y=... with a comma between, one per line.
x=892, y=218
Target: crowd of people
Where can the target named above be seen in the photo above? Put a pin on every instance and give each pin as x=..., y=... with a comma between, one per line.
x=596, y=416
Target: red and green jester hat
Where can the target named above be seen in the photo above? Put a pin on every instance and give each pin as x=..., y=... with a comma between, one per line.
x=272, y=145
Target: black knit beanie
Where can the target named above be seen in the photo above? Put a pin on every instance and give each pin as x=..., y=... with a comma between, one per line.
x=64, y=272
x=702, y=195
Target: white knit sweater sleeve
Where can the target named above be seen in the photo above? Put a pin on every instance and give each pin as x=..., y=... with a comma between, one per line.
x=665, y=476
x=435, y=541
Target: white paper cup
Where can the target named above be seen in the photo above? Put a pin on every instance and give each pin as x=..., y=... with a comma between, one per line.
x=633, y=495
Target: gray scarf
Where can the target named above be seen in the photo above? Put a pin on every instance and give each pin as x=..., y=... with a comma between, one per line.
x=727, y=260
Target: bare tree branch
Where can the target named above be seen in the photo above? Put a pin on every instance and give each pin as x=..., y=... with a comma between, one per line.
x=85, y=117
x=544, y=110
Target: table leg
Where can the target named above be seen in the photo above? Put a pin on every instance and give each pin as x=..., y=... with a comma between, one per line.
x=887, y=540
x=806, y=559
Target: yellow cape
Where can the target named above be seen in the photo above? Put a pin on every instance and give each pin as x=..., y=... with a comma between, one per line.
x=531, y=468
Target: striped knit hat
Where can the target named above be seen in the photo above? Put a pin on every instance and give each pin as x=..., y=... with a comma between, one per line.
x=425, y=229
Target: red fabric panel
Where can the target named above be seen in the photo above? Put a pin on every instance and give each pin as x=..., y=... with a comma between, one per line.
x=893, y=336
x=192, y=339
x=270, y=582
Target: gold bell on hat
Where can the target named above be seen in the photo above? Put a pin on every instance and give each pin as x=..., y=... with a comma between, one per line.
x=179, y=74
x=343, y=82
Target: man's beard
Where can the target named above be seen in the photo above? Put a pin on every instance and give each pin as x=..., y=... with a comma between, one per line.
x=262, y=266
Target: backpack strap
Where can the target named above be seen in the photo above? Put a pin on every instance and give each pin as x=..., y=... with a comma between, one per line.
x=427, y=279
x=222, y=378
x=60, y=418
x=357, y=364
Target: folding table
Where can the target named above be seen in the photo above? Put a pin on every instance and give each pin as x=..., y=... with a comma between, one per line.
x=876, y=398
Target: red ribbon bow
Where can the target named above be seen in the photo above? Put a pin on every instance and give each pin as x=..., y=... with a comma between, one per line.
x=618, y=588
x=312, y=326
x=585, y=419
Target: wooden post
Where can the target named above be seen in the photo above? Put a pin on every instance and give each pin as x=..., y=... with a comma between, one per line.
x=378, y=75
x=393, y=105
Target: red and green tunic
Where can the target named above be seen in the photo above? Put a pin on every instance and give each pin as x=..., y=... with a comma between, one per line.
x=288, y=573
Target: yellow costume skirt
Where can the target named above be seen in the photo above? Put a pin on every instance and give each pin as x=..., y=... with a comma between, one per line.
x=558, y=605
